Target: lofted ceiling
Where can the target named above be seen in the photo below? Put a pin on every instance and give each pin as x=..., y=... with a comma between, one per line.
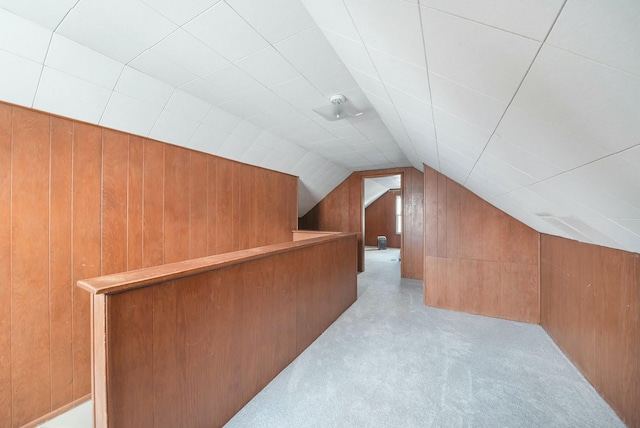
x=534, y=105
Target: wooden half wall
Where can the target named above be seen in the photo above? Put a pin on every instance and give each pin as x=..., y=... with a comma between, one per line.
x=189, y=344
x=79, y=201
x=477, y=258
x=342, y=211
x=590, y=306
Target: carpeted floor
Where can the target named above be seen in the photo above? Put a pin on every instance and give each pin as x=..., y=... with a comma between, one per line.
x=389, y=361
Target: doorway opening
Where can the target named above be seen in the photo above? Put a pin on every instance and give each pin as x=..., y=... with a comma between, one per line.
x=382, y=218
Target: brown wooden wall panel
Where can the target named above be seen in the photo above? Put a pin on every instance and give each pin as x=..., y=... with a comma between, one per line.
x=87, y=174
x=341, y=211
x=380, y=220
x=224, y=214
x=134, y=206
x=60, y=270
x=215, y=338
x=84, y=200
x=31, y=376
x=115, y=173
x=5, y=265
x=590, y=306
x=153, y=204
x=477, y=258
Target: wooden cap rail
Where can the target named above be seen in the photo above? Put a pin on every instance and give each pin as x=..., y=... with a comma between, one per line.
x=120, y=282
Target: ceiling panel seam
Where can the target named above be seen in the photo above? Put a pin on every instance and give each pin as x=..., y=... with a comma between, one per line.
x=516, y=91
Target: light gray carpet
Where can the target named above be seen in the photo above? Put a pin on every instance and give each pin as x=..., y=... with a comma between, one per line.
x=388, y=361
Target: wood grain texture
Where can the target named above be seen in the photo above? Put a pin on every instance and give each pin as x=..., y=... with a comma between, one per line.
x=153, y=204
x=341, y=211
x=477, y=258
x=84, y=200
x=176, y=207
x=115, y=173
x=87, y=173
x=380, y=220
x=215, y=338
x=5, y=265
x=134, y=206
x=590, y=306
x=60, y=271
x=30, y=338
x=224, y=214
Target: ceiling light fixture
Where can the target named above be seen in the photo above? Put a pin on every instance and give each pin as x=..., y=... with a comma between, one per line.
x=340, y=108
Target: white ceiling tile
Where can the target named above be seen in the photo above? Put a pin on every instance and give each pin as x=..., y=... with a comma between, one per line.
x=239, y=108
x=79, y=61
x=265, y=100
x=477, y=56
x=120, y=29
x=130, y=115
x=221, y=120
x=401, y=75
x=530, y=18
x=404, y=101
x=239, y=141
x=234, y=80
x=560, y=201
x=222, y=29
x=308, y=50
x=553, y=143
x=389, y=26
x=345, y=131
x=268, y=140
x=466, y=148
x=274, y=19
x=334, y=79
x=143, y=87
x=605, y=31
x=180, y=12
x=206, y=91
x=301, y=94
x=603, y=229
x=188, y=106
x=47, y=13
x=70, y=96
x=162, y=68
x=332, y=15
x=466, y=104
x=207, y=139
x=371, y=85
x=520, y=159
x=174, y=128
x=19, y=79
x=596, y=103
x=23, y=38
x=255, y=155
x=189, y=53
x=498, y=170
x=632, y=225
x=268, y=67
x=352, y=53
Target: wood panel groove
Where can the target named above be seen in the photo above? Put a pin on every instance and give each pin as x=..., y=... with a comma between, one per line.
x=86, y=200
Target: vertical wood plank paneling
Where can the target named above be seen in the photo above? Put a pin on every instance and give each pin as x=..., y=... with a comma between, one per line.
x=87, y=173
x=153, y=204
x=115, y=173
x=247, y=207
x=176, y=207
x=30, y=336
x=212, y=205
x=589, y=306
x=260, y=214
x=236, y=170
x=198, y=203
x=130, y=320
x=135, y=196
x=487, y=261
x=224, y=214
x=5, y=265
x=60, y=284
x=169, y=387
x=380, y=220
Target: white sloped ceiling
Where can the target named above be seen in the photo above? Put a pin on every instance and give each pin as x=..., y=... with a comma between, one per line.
x=534, y=105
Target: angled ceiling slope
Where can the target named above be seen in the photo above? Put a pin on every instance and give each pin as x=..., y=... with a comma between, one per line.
x=533, y=105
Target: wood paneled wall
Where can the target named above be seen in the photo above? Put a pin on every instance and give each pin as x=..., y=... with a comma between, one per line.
x=78, y=201
x=590, y=306
x=341, y=211
x=477, y=258
x=197, y=348
x=380, y=220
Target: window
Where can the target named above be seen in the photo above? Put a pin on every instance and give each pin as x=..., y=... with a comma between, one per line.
x=398, y=215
